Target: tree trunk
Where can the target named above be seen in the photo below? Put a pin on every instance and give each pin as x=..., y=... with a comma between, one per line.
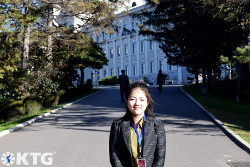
x=196, y=76
x=204, y=77
x=26, y=41
x=204, y=81
x=237, y=98
x=50, y=25
x=82, y=75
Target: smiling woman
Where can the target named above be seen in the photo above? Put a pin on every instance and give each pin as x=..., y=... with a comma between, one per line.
x=137, y=104
x=138, y=138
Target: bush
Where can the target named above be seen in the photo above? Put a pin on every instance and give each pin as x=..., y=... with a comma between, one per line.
x=32, y=104
x=147, y=81
x=64, y=95
x=111, y=80
x=50, y=100
x=12, y=109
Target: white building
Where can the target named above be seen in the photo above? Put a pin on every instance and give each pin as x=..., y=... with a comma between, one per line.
x=139, y=56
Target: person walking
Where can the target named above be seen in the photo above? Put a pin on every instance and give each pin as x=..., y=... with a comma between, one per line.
x=137, y=139
x=124, y=83
x=160, y=80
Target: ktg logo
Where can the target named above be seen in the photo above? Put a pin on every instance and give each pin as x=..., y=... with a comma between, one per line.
x=32, y=158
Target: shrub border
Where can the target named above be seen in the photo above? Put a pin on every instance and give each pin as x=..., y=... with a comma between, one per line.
x=26, y=123
x=245, y=145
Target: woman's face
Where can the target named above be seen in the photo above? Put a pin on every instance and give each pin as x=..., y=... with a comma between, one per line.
x=137, y=102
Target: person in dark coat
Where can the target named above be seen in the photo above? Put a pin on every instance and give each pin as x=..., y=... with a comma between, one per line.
x=124, y=83
x=138, y=138
x=160, y=80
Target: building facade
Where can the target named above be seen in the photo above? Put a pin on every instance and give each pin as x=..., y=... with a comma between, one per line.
x=138, y=55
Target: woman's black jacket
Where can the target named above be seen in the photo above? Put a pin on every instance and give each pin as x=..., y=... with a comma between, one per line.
x=154, y=143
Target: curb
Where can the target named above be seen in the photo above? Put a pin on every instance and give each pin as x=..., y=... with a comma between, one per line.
x=26, y=123
x=228, y=131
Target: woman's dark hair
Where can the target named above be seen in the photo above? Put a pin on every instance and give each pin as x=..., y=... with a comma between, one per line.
x=139, y=84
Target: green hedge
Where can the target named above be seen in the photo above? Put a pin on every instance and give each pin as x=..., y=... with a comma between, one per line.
x=32, y=104
x=51, y=100
x=111, y=80
x=13, y=109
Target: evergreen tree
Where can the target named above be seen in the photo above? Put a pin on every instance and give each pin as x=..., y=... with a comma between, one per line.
x=77, y=51
x=194, y=33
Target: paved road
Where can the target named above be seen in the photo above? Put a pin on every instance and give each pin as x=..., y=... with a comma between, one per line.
x=78, y=135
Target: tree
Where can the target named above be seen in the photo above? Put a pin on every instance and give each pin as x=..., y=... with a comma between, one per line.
x=31, y=27
x=10, y=55
x=21, y=15
x=193, y=33
x=99, y=14
x=78, y=51
x=91, y=56
x=10, y=61
x=241, y=56
x=30, y=15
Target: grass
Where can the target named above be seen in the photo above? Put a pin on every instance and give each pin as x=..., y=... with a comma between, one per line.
x=234, y=115
x=13, y=123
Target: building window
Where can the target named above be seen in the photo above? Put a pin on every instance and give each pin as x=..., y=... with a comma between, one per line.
x=126, y=49
x=103, y=35
x=133, y=26
x=118, y=51
x=126, y=70
x=111, y=72
x=133, y=48
x=118, y=71
x=118, y=31
x=151, y=46
x=98, y=76
x=142, y=46
x=142, y=69
x=125, y=29
x=92, y=76
x=170, y=67
x=134, y=70
x=104, y=73
x=151, y=67
x=111, y=52
x=160, y=65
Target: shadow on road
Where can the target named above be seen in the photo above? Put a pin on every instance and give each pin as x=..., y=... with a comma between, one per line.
x=95, y=113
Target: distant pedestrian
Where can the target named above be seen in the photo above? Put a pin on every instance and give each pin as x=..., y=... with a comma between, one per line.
x=138, y=138
x=160, y=80
x=124, y=83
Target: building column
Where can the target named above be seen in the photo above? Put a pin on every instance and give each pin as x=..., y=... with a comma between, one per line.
x=146, y=56
x=138, y=54
x=179, y=68
x=122, y=56
x=114, y=58
x=156, y=48
x=129, y=57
